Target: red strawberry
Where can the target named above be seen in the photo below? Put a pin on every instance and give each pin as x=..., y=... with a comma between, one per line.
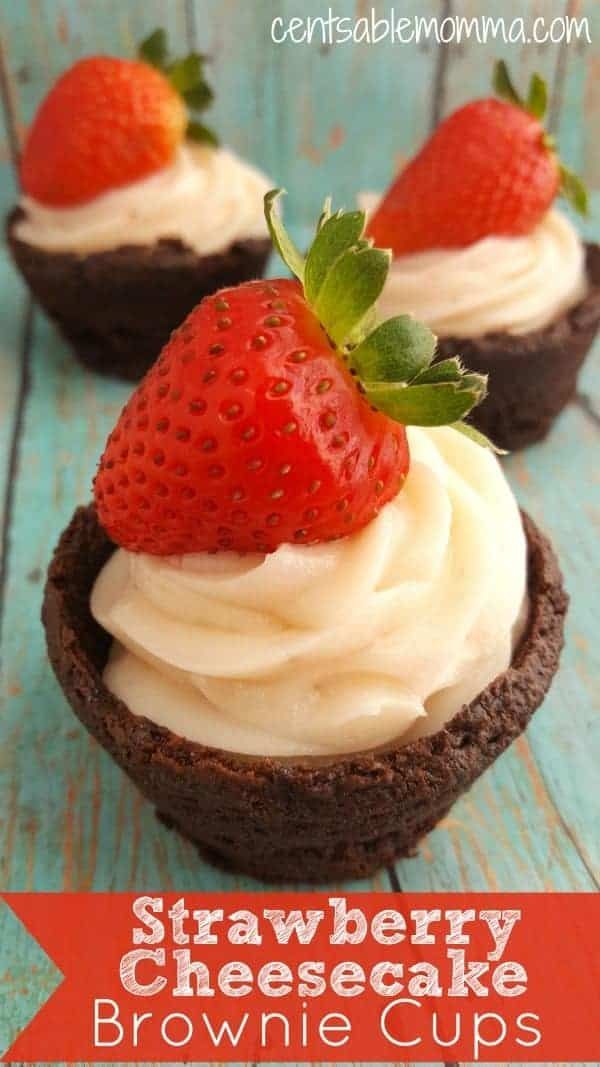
x=252, y=429
x=108, y=122
x=247, y=410
x=490, y=168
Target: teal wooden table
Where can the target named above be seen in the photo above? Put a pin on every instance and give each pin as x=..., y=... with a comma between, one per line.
x=319, y=120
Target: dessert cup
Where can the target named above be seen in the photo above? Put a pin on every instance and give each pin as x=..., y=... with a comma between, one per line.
x=305, y=818
x=117, y=307
x=532, y=376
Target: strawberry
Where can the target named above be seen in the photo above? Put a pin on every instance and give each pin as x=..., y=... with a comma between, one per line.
x=107, y=122
x=489, y=168
x=276, y=413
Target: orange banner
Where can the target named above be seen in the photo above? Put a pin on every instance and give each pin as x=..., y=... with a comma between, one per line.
x=312, y=977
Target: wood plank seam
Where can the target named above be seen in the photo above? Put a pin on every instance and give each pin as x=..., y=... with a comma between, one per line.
x=441, y=68
x=15, y=442
x=558, y=82
x=8, y=108
x=394, y=880
x=190, y=23
x=584, y=402
x=571, y=835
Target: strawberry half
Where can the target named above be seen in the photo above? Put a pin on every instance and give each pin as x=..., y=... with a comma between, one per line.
x=107, y=122
x=276, y=412
x=490, y=168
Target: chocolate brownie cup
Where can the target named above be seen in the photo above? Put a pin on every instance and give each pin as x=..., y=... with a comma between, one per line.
x=129, y=209
x=483, y=256
x=532, y=376
x=118, y=307
x=309, y=818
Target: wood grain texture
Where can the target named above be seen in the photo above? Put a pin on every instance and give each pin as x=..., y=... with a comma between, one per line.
x=320, y=121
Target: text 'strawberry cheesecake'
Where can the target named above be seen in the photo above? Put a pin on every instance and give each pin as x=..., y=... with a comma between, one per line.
x=482, y=257
x=130, y=211
x=305, y=612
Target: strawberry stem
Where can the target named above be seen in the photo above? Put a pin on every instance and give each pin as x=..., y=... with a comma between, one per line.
x=186, y=75
x=343, y=275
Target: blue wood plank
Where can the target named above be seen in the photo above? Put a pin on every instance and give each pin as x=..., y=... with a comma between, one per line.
x=565, y=741
x=319, y=120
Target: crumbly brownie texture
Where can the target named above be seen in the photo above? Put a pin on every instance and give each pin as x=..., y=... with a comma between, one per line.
x=531, y=376
x=296, y=819
x=118, y=308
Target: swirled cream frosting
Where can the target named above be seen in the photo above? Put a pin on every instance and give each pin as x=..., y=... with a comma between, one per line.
x=332, y=648
x=508, y=284
x=208, y=198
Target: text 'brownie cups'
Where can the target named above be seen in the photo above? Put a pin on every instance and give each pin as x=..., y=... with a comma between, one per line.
x=304, y=612
x=485, y=260
x=129, y=215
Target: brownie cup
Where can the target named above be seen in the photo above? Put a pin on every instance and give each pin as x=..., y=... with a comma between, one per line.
x=305, y=818
x=532, y=376
x=117, y=308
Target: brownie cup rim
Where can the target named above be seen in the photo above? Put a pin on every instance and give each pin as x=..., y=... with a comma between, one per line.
x=166, y=252
x=532, y=669
x=499, y=344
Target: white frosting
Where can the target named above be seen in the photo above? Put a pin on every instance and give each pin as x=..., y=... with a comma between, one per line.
x=512, y=284
x=207, y=198
x=329, y=648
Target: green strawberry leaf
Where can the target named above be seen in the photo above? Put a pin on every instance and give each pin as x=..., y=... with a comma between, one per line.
x=396, y=350
x=350, y=288
x=503, y=85
x=154, y=50
x=445, y=370
x=335, y=235
x=325, y=214
x=201, y=134
x=199, y=97
x=281, y=239
x=573, y=190
x=537, y=93
x=437, y=404
x=478, y=437
x=186, y=76
x=343, y=276
x=537, y=96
